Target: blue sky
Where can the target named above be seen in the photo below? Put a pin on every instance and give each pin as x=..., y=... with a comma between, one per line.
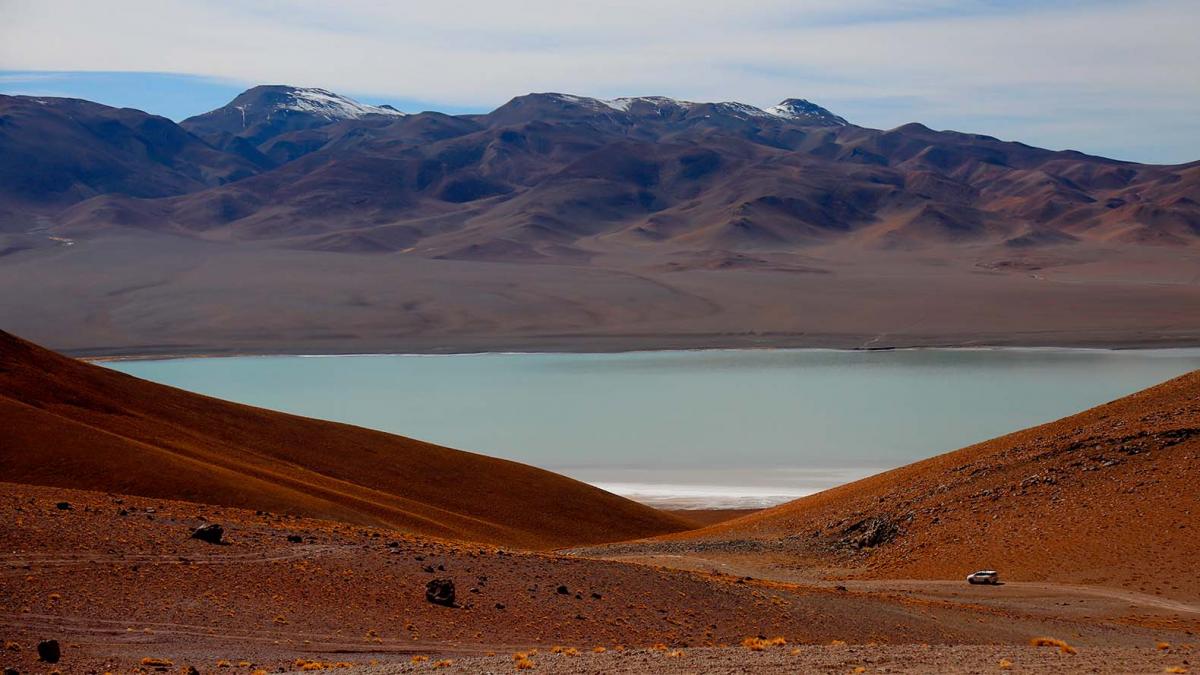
x=1113, y=77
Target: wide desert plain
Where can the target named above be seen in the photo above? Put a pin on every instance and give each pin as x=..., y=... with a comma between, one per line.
x=323, y=565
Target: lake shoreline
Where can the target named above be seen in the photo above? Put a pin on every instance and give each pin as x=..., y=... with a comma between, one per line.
x=100, y=355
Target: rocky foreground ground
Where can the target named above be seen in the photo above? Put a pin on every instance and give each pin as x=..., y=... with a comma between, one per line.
x=122, y=585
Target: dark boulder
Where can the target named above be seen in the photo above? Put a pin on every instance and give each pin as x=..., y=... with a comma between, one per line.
x=440, y=592
x=63, y=506
x=49, y=651
x=870, y=532
x=294, y=539
x=210, y=533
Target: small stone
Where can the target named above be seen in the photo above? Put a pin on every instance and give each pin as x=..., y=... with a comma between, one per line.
x=440, y=592
x=210, y=533
x=63, y=506
x=562, y=590
x=49, y=651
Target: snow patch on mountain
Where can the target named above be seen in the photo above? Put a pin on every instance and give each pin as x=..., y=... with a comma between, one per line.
x=331, y=106
x=795, y=109
x=801, y=109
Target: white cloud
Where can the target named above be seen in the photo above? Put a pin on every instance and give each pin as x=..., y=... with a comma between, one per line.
x=949, y=61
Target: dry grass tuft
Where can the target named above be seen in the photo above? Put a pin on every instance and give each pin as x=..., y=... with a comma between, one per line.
x=754, y=644
x=1053, y=642
x=420, y=658
x=152, y=662
x=522, y=662
x=1005, y=664
x=444, y=663
x=838, y=643
x=675, y=654
x=1175, y=669
x=1162, y=646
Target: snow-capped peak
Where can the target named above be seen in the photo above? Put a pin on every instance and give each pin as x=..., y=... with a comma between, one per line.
x=801, y=109
x=329, y=105
x=796, y=109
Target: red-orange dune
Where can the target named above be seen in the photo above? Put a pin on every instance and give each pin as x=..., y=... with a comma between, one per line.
x=69, y=424
x=1110, y=496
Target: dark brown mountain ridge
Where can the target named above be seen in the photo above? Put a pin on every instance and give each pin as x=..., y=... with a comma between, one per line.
x=550, y=175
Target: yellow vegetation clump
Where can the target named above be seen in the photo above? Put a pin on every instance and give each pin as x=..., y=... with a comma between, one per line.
x=1005, y=664
x=1162, y=646
x=1053, y=642
x=675, y=653
x=598, y=650
x=420, y=658
x=151, y=661
x=444, y=663
x=754, y=644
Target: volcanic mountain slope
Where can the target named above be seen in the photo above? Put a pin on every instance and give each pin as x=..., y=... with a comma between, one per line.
x=56, y=151
x=1105, y=497
x=266, y=111
x=69, y=424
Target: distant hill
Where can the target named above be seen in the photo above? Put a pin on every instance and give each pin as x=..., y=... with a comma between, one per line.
x=1105, y=497
x=69, y=424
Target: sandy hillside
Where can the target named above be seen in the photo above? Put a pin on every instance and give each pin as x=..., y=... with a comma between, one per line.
x=1106, y=497
x=70, y=424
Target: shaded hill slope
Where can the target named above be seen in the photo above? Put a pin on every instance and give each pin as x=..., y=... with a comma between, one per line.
x=1104, y=497
x=69, y=424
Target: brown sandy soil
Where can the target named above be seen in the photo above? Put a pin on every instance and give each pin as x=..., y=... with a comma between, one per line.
x=913, y=659
x=71, y=424
x=159, y=295
x=1104, y=499
x=117, y=579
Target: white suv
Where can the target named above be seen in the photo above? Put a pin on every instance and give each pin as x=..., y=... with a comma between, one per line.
x=991, y=577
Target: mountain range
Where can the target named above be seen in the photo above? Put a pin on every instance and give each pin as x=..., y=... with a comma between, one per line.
x=560, y=176
x=297, y=219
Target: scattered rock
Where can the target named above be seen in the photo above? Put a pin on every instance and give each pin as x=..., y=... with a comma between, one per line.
x=870, y=532
x=562, y=590
x=440, y=592
x=211, y=533
x=63, y=506
x=294, y=539
x=49, y=651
